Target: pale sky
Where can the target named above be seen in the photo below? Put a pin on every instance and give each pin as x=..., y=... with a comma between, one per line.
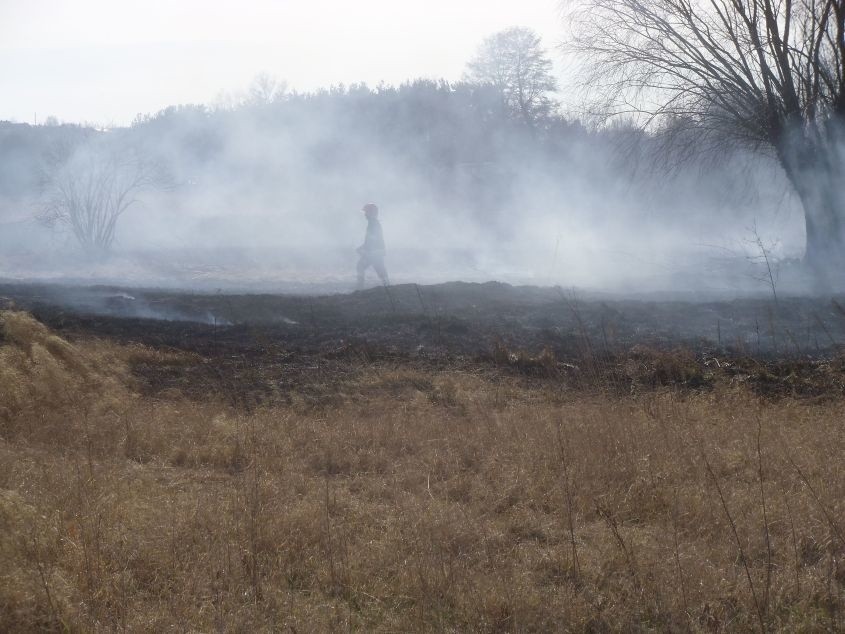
x=104, y=61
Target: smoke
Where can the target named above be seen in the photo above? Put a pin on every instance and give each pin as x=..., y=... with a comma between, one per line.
x=117, y=303
x=266, y=196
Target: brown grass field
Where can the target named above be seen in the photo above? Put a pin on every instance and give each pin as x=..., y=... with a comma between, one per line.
x=394, y=496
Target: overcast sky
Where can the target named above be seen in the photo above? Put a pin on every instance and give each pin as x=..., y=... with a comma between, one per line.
x=104, y=61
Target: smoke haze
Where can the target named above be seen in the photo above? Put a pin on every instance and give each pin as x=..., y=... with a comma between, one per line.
x=263, y=192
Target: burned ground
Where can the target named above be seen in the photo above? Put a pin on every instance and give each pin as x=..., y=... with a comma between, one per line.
x=462, y=317
x=263, y=348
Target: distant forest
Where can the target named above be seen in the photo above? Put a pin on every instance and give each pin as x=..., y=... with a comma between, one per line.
x=427, y=148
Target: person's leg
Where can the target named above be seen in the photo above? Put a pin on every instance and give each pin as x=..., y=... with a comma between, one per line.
x=363, y=263
x=378, y=265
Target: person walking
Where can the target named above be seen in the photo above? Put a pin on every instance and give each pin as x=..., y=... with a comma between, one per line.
x=372, y=251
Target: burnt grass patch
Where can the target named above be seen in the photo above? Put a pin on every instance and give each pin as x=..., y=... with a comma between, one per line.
x=254, y=349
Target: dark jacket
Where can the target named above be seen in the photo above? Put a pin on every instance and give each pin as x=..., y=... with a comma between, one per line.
x=373, y=240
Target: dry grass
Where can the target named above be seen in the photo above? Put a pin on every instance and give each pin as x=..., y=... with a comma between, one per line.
x=416, y=501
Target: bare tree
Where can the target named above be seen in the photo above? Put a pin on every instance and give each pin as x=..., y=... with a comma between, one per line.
x=515, y=62
x=265, y=89
x=765, y=74
x=87, y=187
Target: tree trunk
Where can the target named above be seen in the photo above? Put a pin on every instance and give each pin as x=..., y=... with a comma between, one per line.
x=824, y=250
x=814, y=175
